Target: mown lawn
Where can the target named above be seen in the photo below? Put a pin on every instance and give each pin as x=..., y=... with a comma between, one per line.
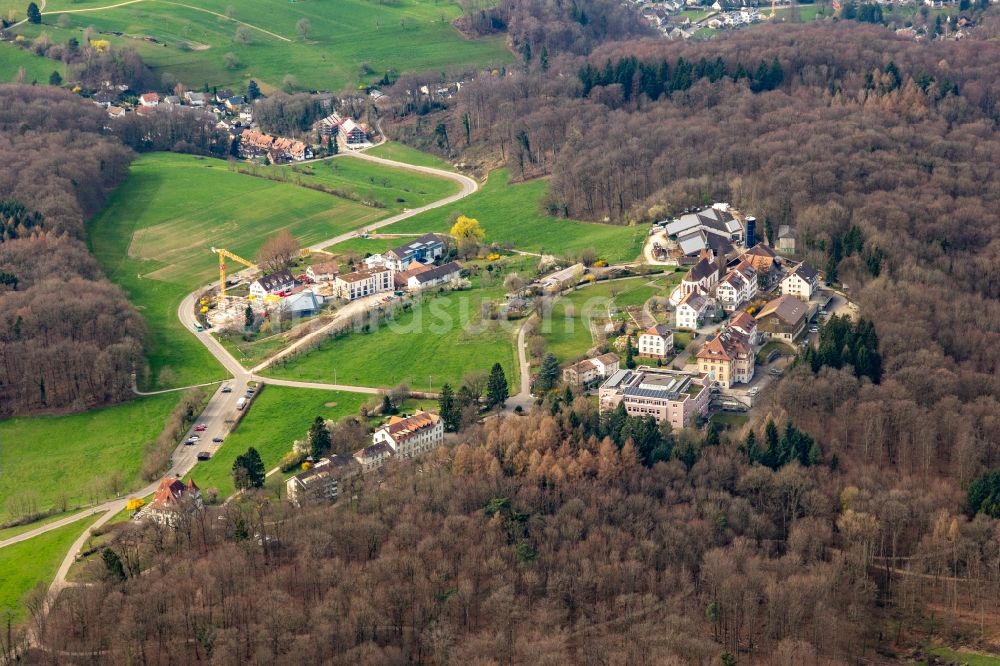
x=400, y=152
x=350, y=41
x=37, y=69
x=278, y=417
x=439, y=340
x=26, y=564
x=47, y=458
x=154, y=238
x=511, y=213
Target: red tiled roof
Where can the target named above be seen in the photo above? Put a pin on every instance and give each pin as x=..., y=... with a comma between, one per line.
x=171, y=491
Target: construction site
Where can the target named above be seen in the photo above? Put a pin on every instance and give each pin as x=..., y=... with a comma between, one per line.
x=276, y=294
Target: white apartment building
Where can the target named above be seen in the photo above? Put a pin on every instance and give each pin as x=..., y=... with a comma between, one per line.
x=413, y=435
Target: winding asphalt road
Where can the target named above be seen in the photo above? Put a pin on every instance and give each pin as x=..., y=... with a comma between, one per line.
x=217, y=415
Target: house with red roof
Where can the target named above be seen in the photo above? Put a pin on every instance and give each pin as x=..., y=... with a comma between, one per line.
x=172, y=501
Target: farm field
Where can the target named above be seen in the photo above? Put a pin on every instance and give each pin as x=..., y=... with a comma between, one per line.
x=34, y=561
x=36, y=68
x=439, y=340
x=395, y=189
x=567, y=331
x=157, y=245
x=349, y=41
x=511, y=213
x=46, y=458
x=278, y=416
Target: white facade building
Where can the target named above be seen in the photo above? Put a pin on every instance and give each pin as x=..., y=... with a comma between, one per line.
x=413, y=435
x=657, y=341
x=366, y=282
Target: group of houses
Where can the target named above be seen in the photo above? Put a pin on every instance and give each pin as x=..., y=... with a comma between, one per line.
x=254, y=143
x=403, y=437
x=410, y=267
x=228, y=107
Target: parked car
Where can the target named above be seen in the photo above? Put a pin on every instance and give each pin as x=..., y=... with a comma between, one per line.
x=204, y=455
x=814, y=329
x=251, y=390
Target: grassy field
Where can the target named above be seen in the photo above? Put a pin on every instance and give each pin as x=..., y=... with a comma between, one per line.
x=34, y=561
x=438, y=341
x=511, y=213
x=967, y=657
x=350, y=41
x=75, y=456
x=391, y=150
x=36, y=68
x=156, y=244
x=567, y=332
x=278, y=417
x=395, y=189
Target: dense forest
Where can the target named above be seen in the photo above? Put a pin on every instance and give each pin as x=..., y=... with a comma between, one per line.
x=68, y=337
x=538, y=540
x=882, y=155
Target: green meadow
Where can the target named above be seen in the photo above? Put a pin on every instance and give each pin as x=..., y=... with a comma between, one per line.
x=400, y=152
x=76, y=457
x=568, y=329
x=278, y=417
x=34, y=561
x=155, y=235
x=511, y=213
x=36, y=68
x=349, y=42
x=439, y=340
x=394, y=189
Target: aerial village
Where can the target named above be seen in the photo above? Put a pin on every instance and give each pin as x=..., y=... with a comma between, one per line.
x=740, y=312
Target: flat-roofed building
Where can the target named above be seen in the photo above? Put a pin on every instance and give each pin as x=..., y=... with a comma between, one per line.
x=678, y=398
x=365, y=282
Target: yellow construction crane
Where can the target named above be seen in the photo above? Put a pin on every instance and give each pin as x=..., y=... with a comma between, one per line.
x=222, y=267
